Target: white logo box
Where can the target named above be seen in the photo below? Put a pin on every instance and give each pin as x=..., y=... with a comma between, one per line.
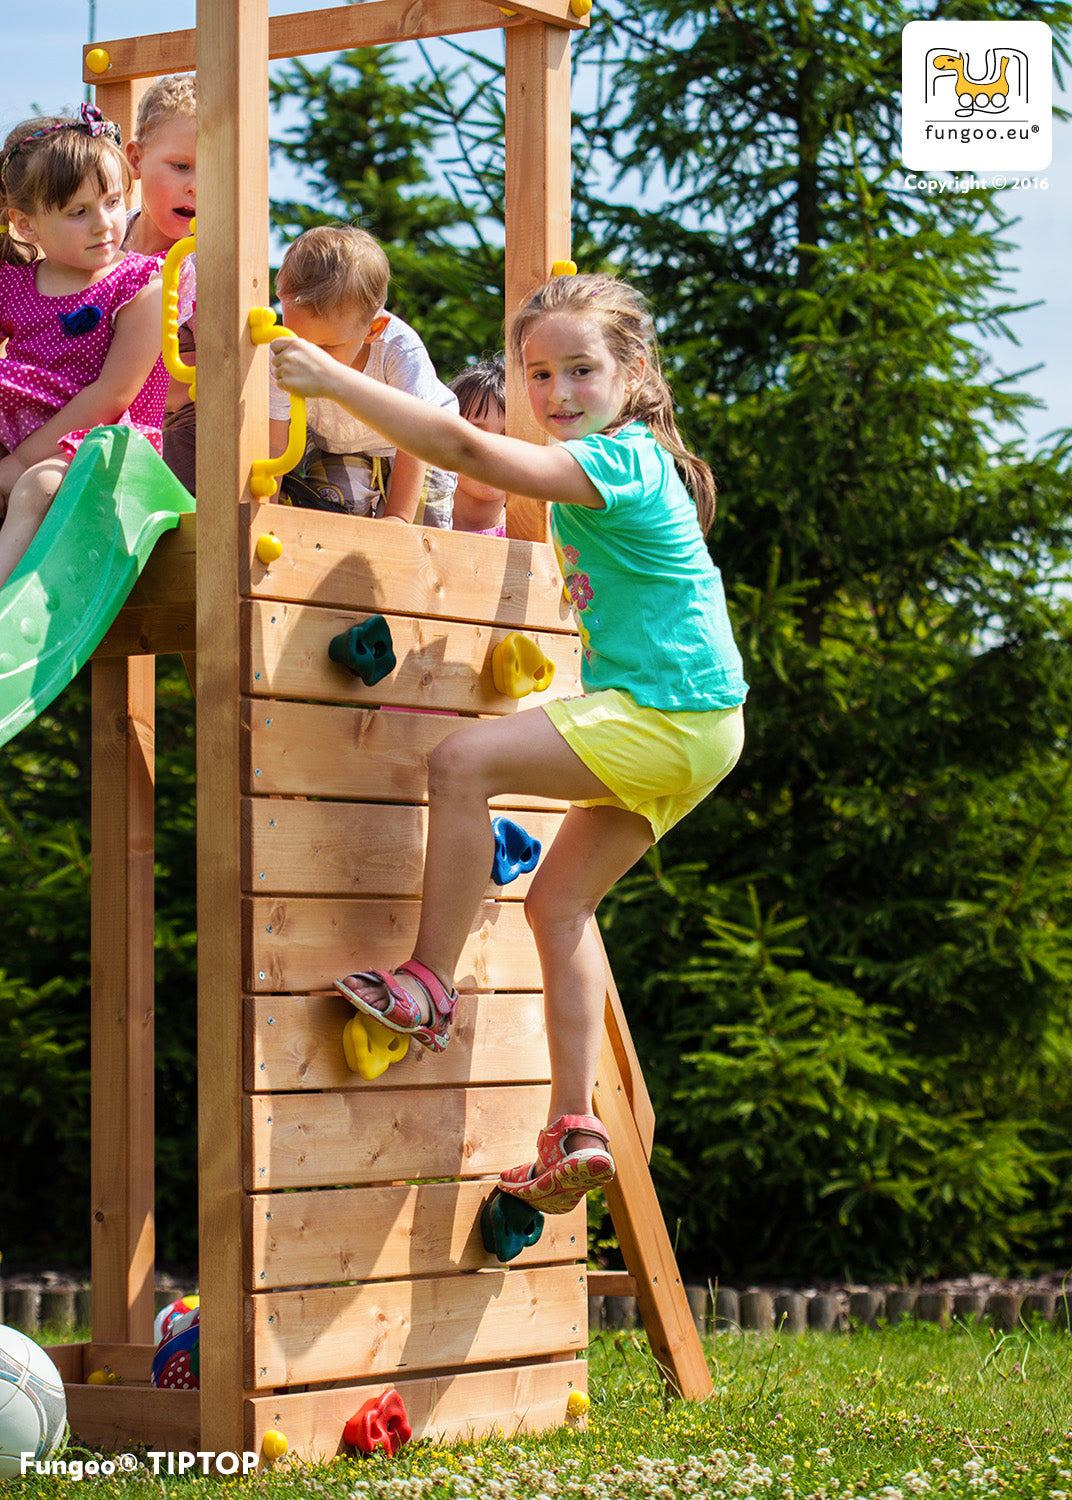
x=976, y=95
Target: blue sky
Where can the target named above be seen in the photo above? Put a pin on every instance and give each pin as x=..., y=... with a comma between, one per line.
x=40, y=68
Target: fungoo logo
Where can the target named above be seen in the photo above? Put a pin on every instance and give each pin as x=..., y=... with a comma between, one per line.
x=976, y=94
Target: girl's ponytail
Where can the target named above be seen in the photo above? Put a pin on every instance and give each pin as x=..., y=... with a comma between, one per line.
x=629, y=331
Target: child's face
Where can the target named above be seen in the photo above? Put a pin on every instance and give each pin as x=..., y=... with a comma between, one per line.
x=86, y=233
x=575, y=384
x=341, y=332
x=166, y=165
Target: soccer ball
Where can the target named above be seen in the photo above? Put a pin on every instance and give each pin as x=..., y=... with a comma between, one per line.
x=33, y=1407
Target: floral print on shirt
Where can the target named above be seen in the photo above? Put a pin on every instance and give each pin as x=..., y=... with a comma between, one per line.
x=579, y=592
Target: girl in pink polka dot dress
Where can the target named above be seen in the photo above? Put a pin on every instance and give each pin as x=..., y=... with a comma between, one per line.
x=80, y=317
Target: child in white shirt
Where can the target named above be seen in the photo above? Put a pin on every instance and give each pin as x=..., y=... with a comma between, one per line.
x=333, y=286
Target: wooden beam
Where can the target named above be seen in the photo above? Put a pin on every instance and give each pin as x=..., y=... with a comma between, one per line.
x=537, y=209
x=646, y=1249
x=121, y=966
x=336, y=29
x=232, y=276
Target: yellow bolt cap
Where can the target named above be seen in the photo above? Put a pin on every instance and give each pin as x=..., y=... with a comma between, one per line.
x=564, y=268
x=269, y=548
x=98, y=61
x=274, y=1444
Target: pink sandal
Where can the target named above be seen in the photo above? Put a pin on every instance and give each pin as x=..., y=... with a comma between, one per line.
x=558, y=1179
x=403, y=1012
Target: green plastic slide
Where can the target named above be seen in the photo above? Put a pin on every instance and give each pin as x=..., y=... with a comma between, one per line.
x=117, y=499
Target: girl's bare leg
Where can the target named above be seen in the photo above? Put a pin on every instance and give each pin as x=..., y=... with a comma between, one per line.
x=521, y=752
x=594, y=847
x=27, y=506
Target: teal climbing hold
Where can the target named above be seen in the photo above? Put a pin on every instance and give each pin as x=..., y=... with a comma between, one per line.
x=366, y=649
x=508, y=1225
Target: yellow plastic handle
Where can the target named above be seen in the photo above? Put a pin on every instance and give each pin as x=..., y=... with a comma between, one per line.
x=262, y=330
x=172, y=264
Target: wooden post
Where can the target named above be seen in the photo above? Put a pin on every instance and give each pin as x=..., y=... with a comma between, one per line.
x=232, y=277
x=121, y=967
x=649, y=1256
x=537, y=207
x=119, y=101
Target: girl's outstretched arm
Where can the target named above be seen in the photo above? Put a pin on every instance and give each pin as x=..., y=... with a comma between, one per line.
x=134, y=349
x=429, y=432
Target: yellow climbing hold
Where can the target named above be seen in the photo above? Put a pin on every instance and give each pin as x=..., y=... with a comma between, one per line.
x=370, y=1048
x=519, y=667
x=274, y=1444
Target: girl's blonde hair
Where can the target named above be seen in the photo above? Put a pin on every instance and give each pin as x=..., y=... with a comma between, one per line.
x=330, y=267
x=174, y=97
x=43, y=163
x=629, y=331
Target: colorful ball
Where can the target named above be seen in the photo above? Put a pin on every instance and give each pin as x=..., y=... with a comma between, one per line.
x=33, y=1407
x=177, y=1361
x=166, y=1316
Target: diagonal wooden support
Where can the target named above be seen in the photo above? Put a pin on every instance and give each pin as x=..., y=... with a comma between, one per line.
x=638, y=1221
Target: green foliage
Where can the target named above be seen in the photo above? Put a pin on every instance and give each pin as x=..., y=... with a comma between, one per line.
x=368, y=140
x=44, y=986
x=848, y=973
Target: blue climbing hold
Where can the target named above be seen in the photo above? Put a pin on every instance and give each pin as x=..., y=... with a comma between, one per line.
x=366, y=649
x=508, y=1225
x=516, y=852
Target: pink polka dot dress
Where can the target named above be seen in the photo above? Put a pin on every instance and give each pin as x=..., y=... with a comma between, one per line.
x=56, y=346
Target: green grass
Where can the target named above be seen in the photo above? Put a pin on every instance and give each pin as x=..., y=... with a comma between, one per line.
x=913, y=1410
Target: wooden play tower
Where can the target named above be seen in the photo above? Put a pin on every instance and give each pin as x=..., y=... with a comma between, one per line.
x=340, y=1251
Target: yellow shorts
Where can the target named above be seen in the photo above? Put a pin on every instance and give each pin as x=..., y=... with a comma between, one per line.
x=656, y=763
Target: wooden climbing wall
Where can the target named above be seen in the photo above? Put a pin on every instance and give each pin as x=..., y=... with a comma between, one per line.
x=364, y=1256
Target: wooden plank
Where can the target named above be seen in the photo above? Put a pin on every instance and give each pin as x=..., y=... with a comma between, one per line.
x=380, y=1233
x=350, y=849
x=68, y=1361
x=133, y=1363
x=160, y=613
x=441, y=1408
x=629, y=1069
x=537, y=203
x=112, y=1418
x=442, y=664
x=334, y=29
x=330, y=750
x=299, y=943
x=390, y=1327
x=294, y=1042
x=645, y=1244
x=232, y=277
x=121, y=967
x=353, y=563
x=611, y=1284
x=329, y=1140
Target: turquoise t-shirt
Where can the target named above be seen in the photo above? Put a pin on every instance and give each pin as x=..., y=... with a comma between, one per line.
x=648, y=600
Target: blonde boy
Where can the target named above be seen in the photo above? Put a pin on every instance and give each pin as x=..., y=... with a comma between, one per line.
x=163, y=158
x=333, y=287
